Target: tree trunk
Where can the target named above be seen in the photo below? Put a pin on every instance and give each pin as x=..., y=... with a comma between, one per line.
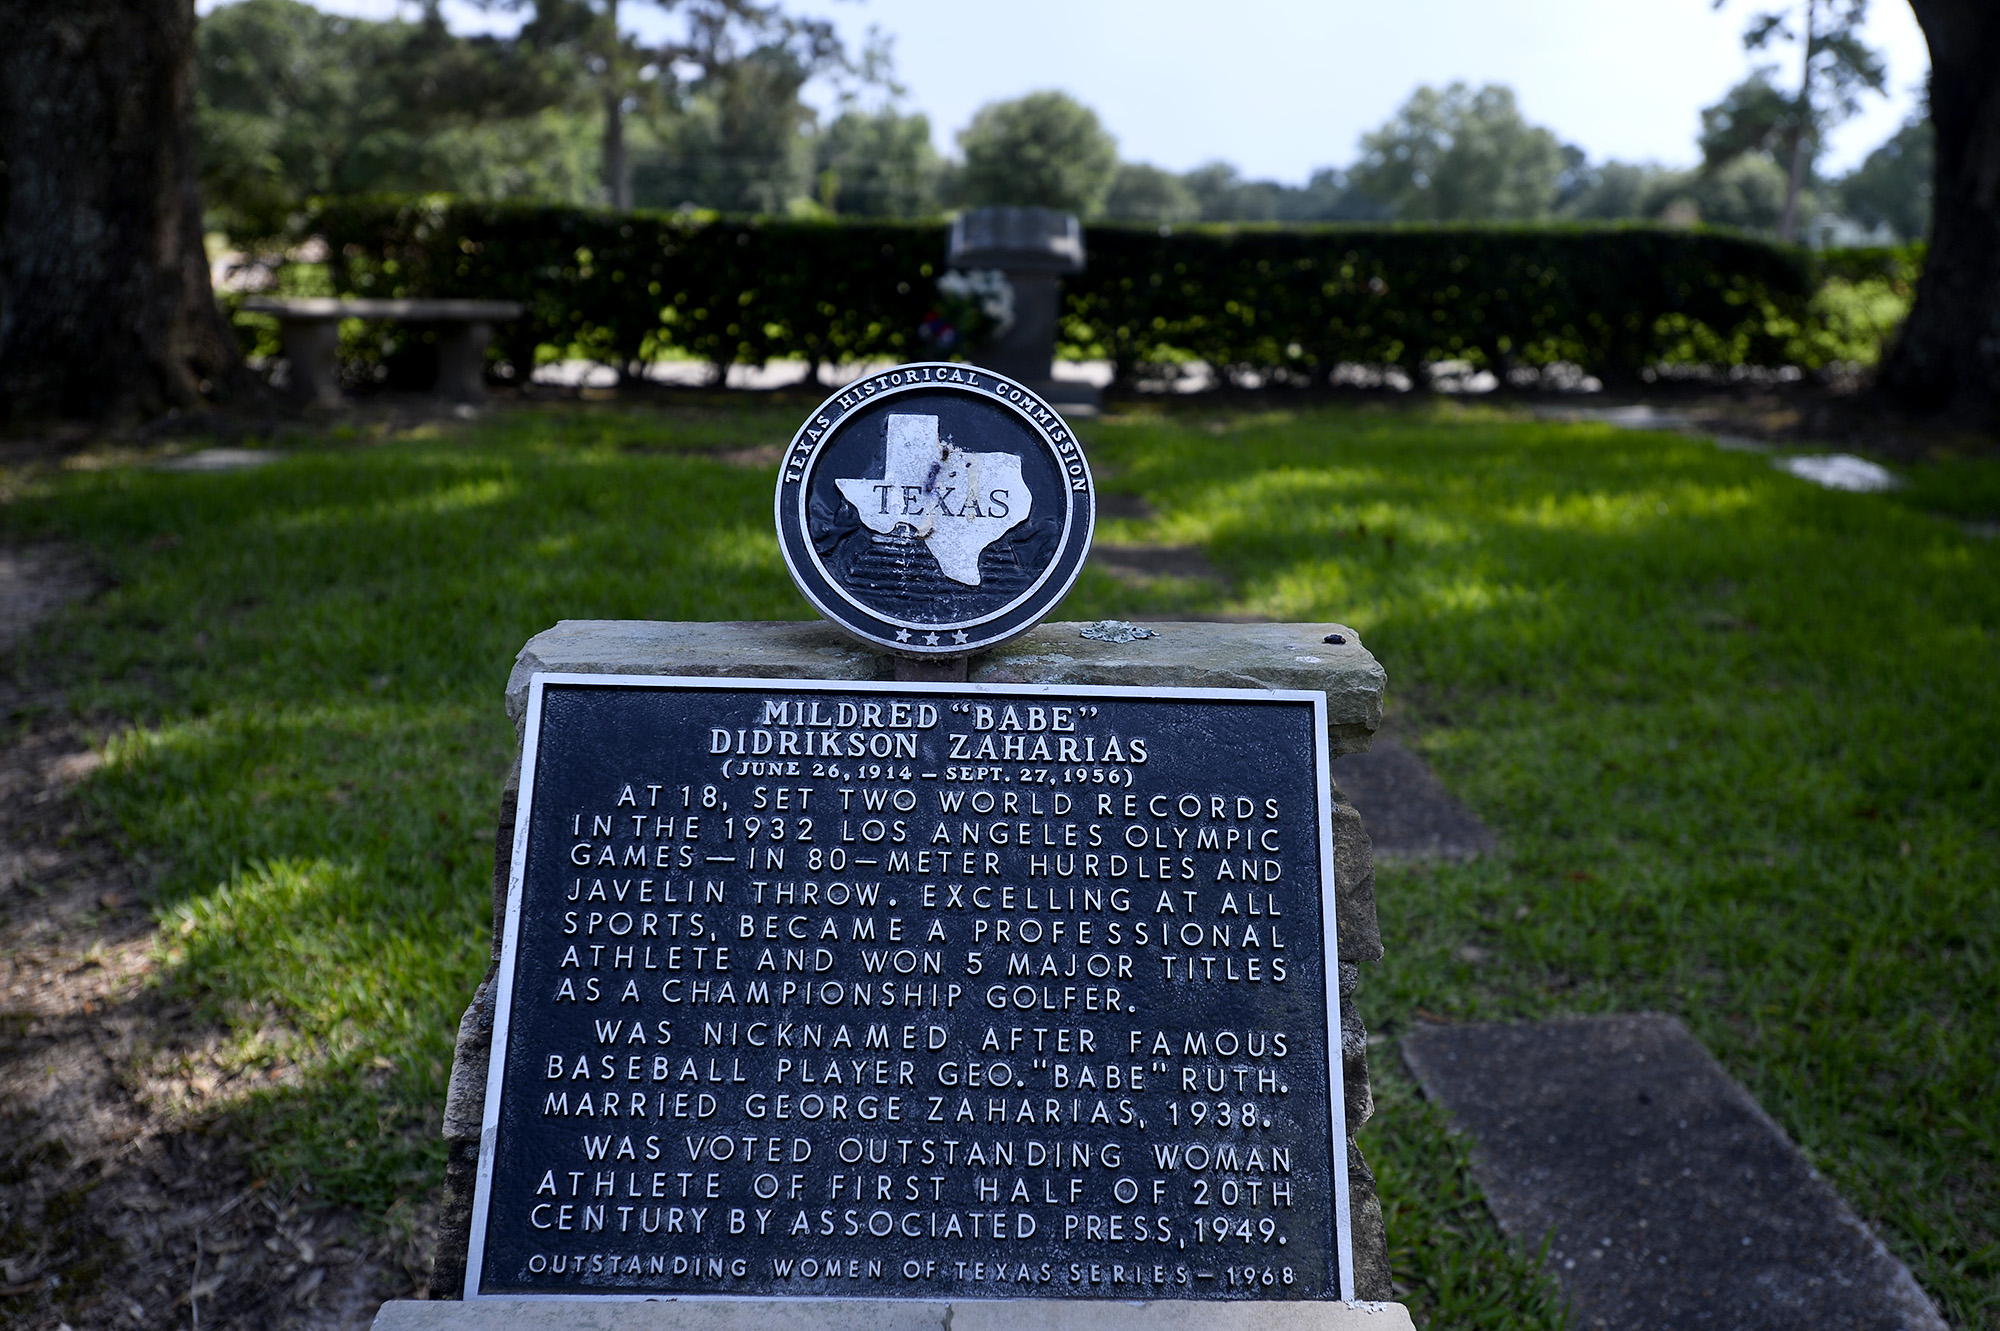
x=1803, y=123
x=617, y=170
x=105, y=304
x=1795, y=183
x=1947, y=356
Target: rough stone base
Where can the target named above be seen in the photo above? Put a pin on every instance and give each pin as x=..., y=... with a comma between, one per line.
x=887, y=1315
x=1242, y=656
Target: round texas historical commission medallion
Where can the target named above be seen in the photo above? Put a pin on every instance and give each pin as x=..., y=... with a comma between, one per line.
x=935, y=510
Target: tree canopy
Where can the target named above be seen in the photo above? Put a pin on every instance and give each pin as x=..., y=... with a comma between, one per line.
x=732, y=140
x=293, y=102
x=296, y=103
x=876, y=164
x=1835, y=68
x=1044, y=150
x=1461, y=153
x=737, y=63
x=1144, y=193
x=1892, y=187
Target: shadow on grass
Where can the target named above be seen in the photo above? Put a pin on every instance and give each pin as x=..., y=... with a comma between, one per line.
x=312, y=656
x=1740, y=737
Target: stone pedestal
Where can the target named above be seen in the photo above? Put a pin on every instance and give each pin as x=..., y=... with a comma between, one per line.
x=1240, y=656
x=311, y=348
x=462, y=360
x=1034, y=247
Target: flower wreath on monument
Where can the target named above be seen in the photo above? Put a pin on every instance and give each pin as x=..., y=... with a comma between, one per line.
x=971, y=308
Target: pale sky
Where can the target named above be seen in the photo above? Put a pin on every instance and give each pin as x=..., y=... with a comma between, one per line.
x=1280, y=87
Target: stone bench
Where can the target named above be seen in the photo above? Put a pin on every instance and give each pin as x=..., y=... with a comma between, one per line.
x=310, y=327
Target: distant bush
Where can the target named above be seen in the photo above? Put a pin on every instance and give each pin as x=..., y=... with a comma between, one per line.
x=1287, y=304
x=1859, y=299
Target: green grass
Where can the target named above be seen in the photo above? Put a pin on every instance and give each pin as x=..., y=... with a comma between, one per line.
x=1967, y=488
x=1739, y=737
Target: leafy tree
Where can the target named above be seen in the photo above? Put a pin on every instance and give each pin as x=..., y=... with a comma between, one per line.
x=1746, y=192
x=1218, y=188
x=1835, y=68
x=1749, y=192
x=1752, y=117
x=734, y=141
x=622, y=75
x=876, y=164
x=1234, y=199
x=1463, y=154
x=1618, y=189
x=1329, y=196
x=1223, y=195
x=1043, y=150
x=292, y=102
x=1893, y=184
x=1143, y=193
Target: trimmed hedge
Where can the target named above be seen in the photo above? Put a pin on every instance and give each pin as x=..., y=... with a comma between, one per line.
x=1613, y=300
x=1286, y=303
x=624, y=288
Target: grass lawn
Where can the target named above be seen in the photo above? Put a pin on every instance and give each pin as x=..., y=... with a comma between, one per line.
x=1740, y=739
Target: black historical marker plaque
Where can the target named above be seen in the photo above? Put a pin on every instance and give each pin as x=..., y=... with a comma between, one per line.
x=917, y=991
x=934, y=510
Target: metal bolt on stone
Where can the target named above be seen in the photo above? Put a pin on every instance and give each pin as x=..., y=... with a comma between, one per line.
x=931, y=965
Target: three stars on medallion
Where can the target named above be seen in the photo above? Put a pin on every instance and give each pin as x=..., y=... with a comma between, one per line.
x=932, y=639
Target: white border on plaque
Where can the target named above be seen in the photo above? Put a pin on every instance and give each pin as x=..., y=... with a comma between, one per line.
x=516, y=882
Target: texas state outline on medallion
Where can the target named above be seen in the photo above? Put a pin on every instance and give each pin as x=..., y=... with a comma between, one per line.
x=935, y=509
x=921, y=476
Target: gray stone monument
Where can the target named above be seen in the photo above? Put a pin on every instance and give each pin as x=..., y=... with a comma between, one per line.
x=1159, y=937
x=1034, y=247
x=1218, y=656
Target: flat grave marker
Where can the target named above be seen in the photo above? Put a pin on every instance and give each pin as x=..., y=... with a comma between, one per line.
x=1411, y=816
x=1669, y=1198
